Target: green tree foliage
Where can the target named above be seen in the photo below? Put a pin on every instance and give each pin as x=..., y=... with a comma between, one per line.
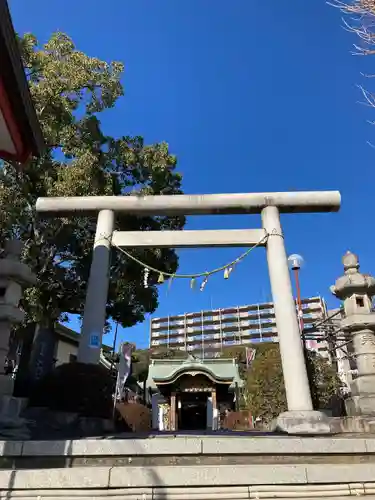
x=167, y=353
x=141, y=360
x=237, y=352
x=264, y=391
x=71, y=90
x=140, y=364
x=324, y=381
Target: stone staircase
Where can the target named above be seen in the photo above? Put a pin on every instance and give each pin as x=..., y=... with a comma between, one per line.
x=170, y=467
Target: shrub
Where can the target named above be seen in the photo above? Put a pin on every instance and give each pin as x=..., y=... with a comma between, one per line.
x=134, y=416
x=238, y=421
x=264, y=392
x=80, y=388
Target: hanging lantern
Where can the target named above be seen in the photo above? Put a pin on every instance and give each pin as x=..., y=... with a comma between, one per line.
x=161, y=278
x=192, y=283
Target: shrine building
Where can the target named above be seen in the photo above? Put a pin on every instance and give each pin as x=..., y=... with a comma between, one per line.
x=20, y=131
x=192, y=394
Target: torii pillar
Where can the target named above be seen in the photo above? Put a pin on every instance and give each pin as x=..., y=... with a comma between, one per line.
x=300, y=418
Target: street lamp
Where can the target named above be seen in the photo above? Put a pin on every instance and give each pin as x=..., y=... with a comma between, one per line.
x=295, y=263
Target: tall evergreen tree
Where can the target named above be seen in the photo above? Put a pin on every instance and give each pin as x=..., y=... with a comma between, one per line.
x=71, y=90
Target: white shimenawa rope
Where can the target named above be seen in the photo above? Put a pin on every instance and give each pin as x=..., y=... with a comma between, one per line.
x=226, y=268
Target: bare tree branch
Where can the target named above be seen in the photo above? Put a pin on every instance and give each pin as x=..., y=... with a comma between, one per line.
x=361, y=22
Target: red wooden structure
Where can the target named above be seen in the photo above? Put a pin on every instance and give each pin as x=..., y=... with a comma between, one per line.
x=20, y=132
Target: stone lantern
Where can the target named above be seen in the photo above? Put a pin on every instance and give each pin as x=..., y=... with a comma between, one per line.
x=358, y=324
x=14, y=276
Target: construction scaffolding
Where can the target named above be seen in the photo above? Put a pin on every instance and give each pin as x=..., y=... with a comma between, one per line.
x=207, y=333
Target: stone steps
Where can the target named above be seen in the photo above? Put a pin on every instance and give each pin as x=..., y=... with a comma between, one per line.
x=189, y=467
x=186, y=451
x=232, y=444
x=190, y=483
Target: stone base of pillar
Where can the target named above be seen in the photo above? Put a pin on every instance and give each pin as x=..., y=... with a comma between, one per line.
x=358, y=405
x=11, y=424
x=11, y=407
x=302, y=422
x=363, y=385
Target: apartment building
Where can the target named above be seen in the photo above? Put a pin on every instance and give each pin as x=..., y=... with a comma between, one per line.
x=206, y=333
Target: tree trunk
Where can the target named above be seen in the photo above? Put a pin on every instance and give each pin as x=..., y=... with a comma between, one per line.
x=22, y=382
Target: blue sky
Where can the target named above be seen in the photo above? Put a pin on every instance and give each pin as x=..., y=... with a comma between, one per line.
x=251, y=95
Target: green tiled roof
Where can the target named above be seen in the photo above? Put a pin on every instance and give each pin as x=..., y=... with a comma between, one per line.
x=168, y=370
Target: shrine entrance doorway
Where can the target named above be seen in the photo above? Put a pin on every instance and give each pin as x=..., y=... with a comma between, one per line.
x=192, y=415
x=196, y=400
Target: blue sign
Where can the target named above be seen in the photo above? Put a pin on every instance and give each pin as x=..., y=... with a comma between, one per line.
x=94, y=341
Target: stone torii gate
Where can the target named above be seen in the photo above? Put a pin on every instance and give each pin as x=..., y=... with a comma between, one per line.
x=300, y=416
